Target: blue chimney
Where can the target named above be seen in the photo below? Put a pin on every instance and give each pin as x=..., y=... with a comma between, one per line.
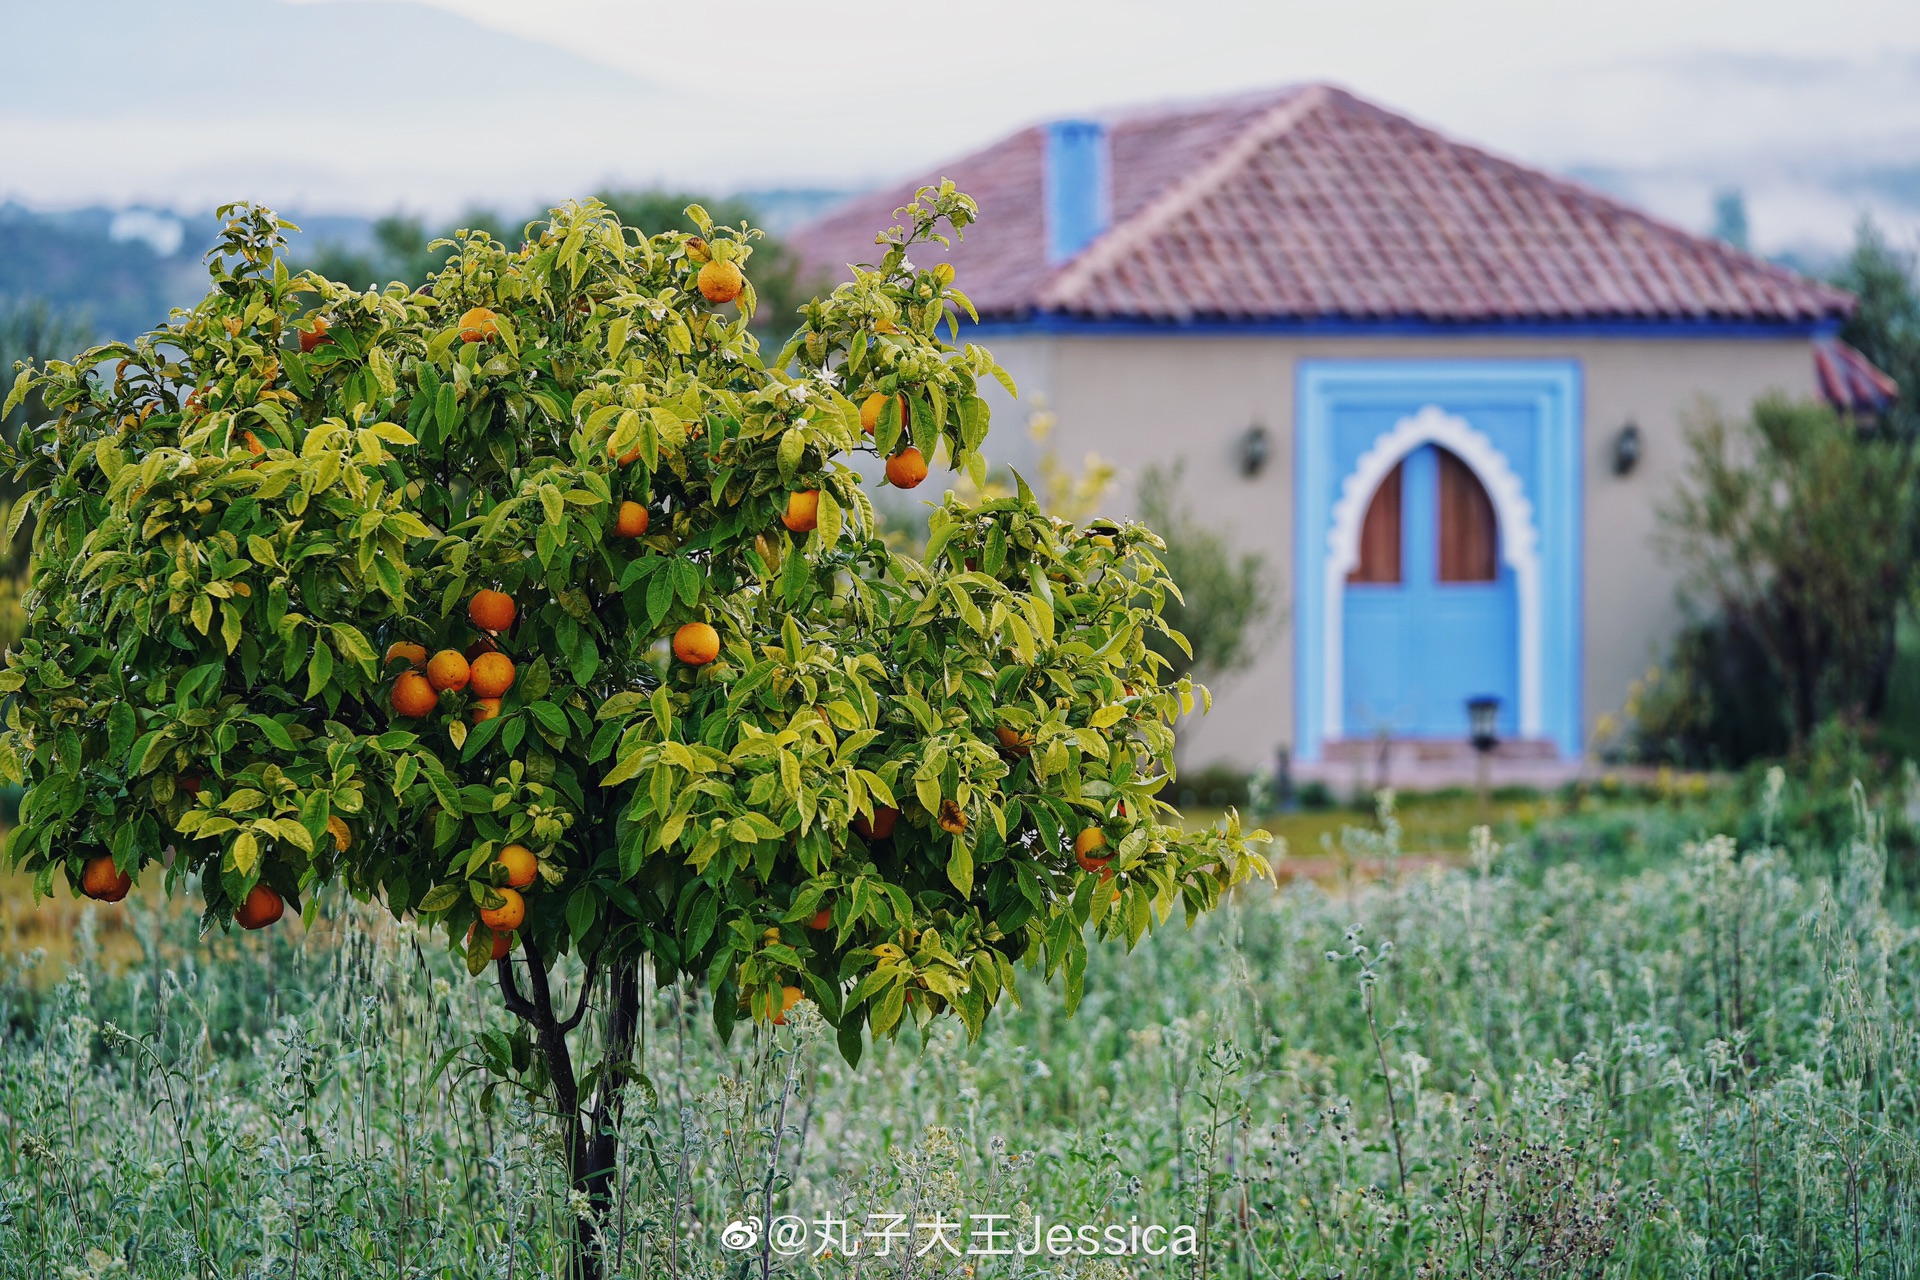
x=1078, y=199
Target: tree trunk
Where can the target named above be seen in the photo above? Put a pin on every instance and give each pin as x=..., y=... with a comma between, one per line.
x=590, y=1138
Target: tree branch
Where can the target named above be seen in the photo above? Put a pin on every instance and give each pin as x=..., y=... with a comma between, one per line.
x=517, y=1004
x=586, y=991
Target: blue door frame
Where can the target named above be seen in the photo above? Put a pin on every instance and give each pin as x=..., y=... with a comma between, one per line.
x=1517, y=424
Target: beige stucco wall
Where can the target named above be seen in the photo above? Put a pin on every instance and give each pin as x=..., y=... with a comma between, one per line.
x=1139, y=401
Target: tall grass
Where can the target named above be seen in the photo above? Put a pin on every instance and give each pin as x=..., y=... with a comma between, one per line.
x=1706, y=1068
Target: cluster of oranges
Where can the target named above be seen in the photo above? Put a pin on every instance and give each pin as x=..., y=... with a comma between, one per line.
x=501, y=921
x=102, y=881
x=907, y=468
x=483, y=670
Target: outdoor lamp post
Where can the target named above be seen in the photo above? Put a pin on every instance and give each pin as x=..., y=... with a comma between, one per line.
x=1482, y=714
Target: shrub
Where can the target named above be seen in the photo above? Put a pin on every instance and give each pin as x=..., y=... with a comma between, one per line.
x=1317, y=797
x=1224, y=600
x=1799, y=528
x=1717, y=704
x=1218, y=786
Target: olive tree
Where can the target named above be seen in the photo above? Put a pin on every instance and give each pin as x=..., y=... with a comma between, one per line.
x=539, y=606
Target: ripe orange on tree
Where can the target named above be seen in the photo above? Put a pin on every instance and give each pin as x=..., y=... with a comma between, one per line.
x=626, y=459
x=102, y=881
x=313, y=335
x=821, y=920
x=789, y=997
x=483, y=709
x=875, y=405
x=803, y=511
x=491, y=610
x=448, y=669
x=696, y=644
x=1090, y=851
x=414, y=655
x=632, y=520
x=721, y=282
x=508, y=915
x=520, y=863
x=261, y=908
x=882, y=825
x=490, y=675
x=478, y=324
x=414, y=695
x=1012, y=741
x=906, y=469
x=502, y=942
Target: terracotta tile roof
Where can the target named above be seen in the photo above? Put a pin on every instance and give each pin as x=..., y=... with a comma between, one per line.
x=1312, y=204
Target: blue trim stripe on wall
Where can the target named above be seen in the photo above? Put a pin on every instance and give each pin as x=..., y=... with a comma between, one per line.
x=1694, y=327
x=1545, y=454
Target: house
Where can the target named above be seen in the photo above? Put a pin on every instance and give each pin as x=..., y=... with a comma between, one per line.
x=1441, y=393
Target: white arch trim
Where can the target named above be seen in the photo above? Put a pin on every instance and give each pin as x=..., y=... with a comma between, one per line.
x=1519, y=545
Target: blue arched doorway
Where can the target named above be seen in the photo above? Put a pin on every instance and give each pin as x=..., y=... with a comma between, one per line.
x=1430, y=616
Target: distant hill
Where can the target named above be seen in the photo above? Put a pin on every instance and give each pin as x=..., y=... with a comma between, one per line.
x=72, y=260
x=124, y=269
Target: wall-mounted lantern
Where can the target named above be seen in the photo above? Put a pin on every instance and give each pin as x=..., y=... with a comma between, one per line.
x=1626, y=448
x=1253, y=450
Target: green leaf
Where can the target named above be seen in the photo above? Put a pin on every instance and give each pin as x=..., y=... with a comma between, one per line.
x=441, y=897
x=792, y=445
x=629, y=764
x=479, y=951
x=960, y=865
x=831, y=520
x=848, y=1038
x=580, y=911
x=354, y=647
x=319, y=668
x=620, y=704
x=273, y=731
x=245, y=853
x=686, y=582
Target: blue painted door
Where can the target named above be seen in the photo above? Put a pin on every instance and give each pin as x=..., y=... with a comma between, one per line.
x=1416, y=649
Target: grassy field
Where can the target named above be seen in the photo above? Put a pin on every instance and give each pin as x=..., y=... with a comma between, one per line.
x=1701, y=1065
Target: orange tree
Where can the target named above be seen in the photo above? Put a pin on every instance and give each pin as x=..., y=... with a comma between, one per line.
x=538, y=605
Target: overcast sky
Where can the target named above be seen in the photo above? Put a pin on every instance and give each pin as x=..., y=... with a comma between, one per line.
x=362, y=105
